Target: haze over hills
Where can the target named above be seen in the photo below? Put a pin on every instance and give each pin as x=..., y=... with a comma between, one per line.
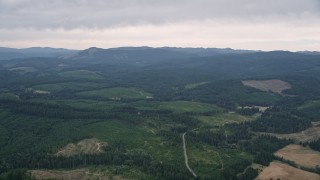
x=10, y=53
x=122, y=52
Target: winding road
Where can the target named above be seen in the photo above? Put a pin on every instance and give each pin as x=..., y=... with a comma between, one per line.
x=186, y=155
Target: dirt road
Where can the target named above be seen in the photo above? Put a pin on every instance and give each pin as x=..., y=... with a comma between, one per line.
x=186, y=155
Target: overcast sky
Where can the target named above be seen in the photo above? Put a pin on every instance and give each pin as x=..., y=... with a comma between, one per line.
x=241, y=24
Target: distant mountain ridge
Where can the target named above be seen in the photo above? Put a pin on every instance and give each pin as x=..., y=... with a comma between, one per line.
x=12, y=53
x=187, y=51
x=209, y=51
x=145, y=54
x=122, y=53
x=137, y=55
x=194, y=51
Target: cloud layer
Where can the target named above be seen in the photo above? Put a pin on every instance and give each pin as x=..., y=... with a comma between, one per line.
x=254, y=24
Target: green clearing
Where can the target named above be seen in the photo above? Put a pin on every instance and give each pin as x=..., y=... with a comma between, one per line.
x=8, y=96
x=145, y=105
x=309, y=105
x=112, y=131
x=311, y=109
x=188, y=106
x=82, y=74
x=209, y=161
x=133, y=137
x=225, y=118
x=195, y=85
x=73, y=86
x=117, y=93
x=23, y=70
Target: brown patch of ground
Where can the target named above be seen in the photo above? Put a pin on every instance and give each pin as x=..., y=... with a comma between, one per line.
x=301, y=155
x=78, y=174
x=277, y=170
x=309, y=134
x=273, y=85
x=85, y=146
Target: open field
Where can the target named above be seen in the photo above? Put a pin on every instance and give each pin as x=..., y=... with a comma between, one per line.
x=8, y=95
x=118, y=93
x=73, y=86
x=85, y=146
x=145, y=105
x=273, y=85
x=311, y=109
x=23, y=70
x=81, y=74
x=225, y=118
x=309, y=134
x=277, y=170
x=300, y=155
x=310, y=104
x=188, y=106
x=195, y=85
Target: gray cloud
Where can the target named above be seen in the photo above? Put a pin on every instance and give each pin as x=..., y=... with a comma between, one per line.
x=209, y=33
x=243, y=24
x=71, y=14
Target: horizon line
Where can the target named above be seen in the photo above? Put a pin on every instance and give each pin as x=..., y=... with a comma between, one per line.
x=158, y=47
